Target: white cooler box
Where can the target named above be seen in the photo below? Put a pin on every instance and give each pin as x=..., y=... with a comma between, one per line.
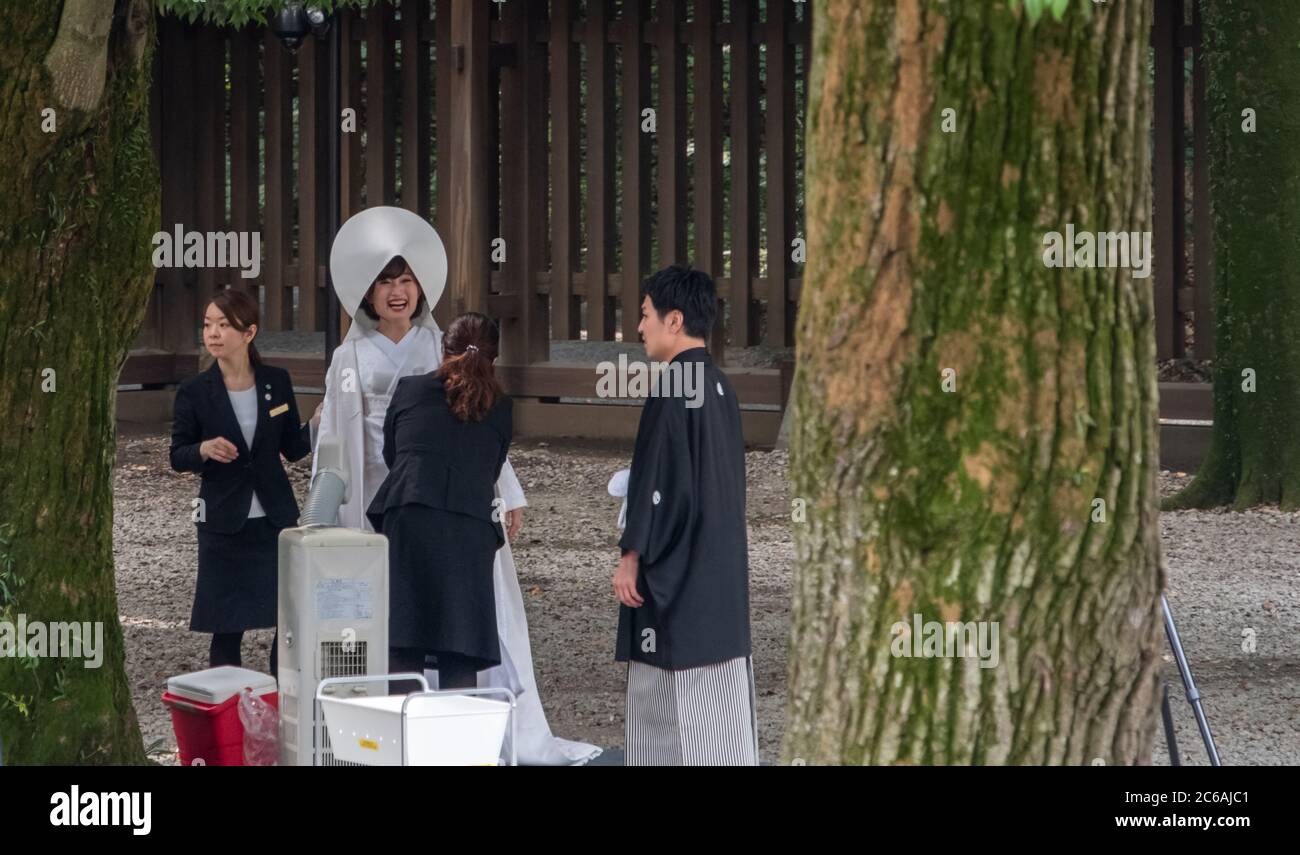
x=441, y=729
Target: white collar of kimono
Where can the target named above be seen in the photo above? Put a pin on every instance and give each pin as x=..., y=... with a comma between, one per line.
x=367, y=242
x=394, y=350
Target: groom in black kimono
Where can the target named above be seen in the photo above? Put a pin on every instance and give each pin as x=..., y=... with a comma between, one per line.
x=683, y=579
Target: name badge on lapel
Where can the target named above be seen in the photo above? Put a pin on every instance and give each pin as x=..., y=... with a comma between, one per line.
x=283, y=408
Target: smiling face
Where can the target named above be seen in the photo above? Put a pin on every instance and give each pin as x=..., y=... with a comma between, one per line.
x=395, y=298
x=660, y=335
x=220, y=336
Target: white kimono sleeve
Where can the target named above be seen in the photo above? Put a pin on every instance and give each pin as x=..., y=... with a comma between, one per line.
x=509, y=489
x=329, y=411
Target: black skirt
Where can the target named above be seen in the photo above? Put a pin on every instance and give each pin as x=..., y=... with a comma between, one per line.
x=442, y=596
x=237, y=583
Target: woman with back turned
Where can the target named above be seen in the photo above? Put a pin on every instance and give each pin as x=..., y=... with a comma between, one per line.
x=446, y=435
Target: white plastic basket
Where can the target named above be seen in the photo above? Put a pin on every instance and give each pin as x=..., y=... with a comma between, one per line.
x=454, y=727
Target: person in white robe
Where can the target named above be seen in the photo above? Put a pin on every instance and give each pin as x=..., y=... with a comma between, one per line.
x=362, y=376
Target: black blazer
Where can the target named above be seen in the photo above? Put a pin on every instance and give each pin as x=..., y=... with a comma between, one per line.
x=203, y=411
x=435, y=459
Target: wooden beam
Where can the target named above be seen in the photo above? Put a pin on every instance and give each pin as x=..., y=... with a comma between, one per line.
x=245, y=100
x=1202, y=233
x=744, y=172
x=599, y=173
x=707, y=181
x=380, y=149
x=670, y=139
x=351, y=178
x=470, y=159
x=1168, y=176
x=779, y=85
x=277, y=226
x=445, y=66
x=523, y=312
x=416, y=130
x=753, y=386
x=535, y=419
x=636, y=164
x=312, y=174
x=181, y=316
x=565, y=320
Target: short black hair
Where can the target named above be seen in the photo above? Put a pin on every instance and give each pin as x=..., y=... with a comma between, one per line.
x=691, y=292
x=395, y=267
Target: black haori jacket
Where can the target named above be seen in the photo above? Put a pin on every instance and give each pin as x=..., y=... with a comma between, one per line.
x=686, y=519
x=202, y=411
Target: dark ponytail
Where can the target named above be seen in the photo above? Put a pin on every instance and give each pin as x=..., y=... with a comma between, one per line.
x=468, y=348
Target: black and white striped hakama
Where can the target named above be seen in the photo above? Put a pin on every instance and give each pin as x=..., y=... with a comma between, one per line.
x=694, y=717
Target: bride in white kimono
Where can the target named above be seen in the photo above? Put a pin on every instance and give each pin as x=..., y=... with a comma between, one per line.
x=394, y=336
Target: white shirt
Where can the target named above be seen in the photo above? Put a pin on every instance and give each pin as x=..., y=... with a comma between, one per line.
x=245, y=406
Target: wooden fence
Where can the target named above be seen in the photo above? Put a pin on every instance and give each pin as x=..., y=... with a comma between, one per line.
x=562, y=154
x=1183, y=296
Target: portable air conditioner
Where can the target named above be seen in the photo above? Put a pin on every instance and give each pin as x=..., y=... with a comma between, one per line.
x=333, y=622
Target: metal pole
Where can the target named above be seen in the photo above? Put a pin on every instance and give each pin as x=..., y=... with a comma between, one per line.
x=1193, y=695
x=1171, y=739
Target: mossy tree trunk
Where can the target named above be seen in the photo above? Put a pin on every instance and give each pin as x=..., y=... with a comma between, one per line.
x=80, y=203
x=926, y=253
x=1252, y=64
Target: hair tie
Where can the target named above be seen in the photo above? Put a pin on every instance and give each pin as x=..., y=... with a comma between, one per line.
x=472, y=347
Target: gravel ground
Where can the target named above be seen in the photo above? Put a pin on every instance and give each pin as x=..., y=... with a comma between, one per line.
x=1228, y=573
x=1184, y=370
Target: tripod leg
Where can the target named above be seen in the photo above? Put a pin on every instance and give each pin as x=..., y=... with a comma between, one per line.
x=1193, y=695
x=1170, y=738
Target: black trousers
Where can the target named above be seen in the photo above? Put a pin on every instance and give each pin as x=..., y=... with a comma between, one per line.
x=225, y=651
x=455, y=671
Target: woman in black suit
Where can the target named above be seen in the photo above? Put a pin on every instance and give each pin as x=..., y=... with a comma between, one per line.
x=446, y=435
x=231, y=423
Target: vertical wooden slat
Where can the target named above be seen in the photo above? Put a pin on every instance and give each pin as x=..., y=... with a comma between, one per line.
x=515, y=276
x=600, y=172
x=180, y=316
x=445, y=64
x=245, y=96
x=415, y=108
x=311, y=176
x=469, y=156
x=636, y=163
x=1168, y=176
x=780, y=170
x=210, y=129
x=525, y=338
x=492, y=143
x=351, y=174
x=744, y=171
x=150, y=333
x=380, y=153
x=350, y=167
x=708, y=157
x=1203, y=237
x=670, y=142
x=277, y=223
x=564, y=170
